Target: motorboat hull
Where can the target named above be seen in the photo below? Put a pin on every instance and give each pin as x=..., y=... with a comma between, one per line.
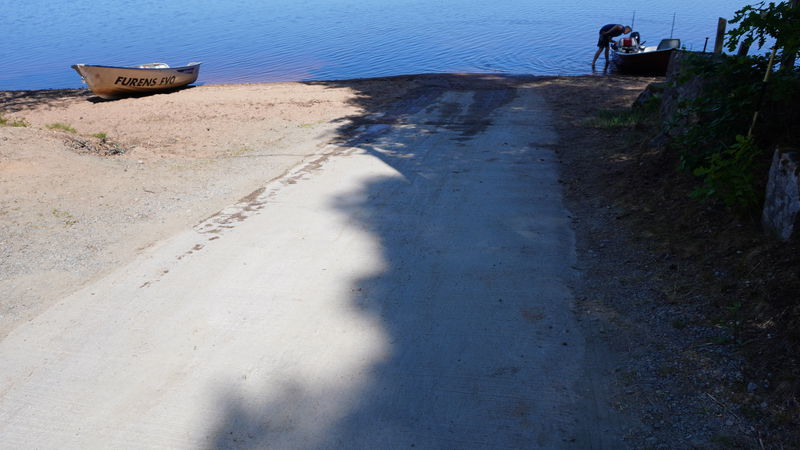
x=653, y=62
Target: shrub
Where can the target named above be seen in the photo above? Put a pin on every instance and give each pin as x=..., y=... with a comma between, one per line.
x=61, y=126
x=728, y=175
x=716, y=145
x=13, y=123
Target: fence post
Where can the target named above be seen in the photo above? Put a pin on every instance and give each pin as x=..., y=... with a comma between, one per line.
x=720, y=35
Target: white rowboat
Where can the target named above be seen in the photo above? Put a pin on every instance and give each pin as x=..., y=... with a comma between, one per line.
x=111, y=82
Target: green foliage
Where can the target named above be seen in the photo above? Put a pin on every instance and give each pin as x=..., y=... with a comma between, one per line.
x=709, y=127
x=625, y=118
x=102, y=136
x=61, y=126
x=728, y=175
x=13, y=123
x=759, y=22
x=614, y=119
x=730, y=95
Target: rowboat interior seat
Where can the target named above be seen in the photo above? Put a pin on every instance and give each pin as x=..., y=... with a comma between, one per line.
x=155, y=65
x=668, y=44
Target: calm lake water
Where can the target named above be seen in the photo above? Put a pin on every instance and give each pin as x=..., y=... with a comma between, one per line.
x=279, y=40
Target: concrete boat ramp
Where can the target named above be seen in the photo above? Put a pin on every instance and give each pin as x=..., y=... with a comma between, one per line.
x=407, y=287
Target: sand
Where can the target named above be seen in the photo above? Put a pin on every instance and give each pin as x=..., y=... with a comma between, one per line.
x=89, y=184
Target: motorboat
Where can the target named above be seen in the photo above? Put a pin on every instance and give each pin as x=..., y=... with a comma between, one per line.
x=631, y=56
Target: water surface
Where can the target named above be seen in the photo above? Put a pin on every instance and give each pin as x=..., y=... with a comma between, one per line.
x=281, y=40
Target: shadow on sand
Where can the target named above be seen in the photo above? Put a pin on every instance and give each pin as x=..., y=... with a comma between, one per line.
x=15, y=101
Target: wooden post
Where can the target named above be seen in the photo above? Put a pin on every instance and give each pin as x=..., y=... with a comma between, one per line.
x=789, y=54
x=744, y=47
x=720, y=35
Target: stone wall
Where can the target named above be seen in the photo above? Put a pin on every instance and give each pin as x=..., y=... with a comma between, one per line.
x=675, y=90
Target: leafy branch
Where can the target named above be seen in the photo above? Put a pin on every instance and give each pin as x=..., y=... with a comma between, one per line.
x=762, y=21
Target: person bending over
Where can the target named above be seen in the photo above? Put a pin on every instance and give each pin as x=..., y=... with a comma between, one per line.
x=606, y=34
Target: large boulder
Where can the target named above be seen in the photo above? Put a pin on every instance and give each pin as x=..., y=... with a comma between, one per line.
x=673, y=94
x=781, y=215
x=651, y=95
x=681, y=88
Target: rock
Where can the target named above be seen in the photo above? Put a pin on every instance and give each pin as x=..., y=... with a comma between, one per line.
x=781, y=214
x=680, y=87
x=650, y=96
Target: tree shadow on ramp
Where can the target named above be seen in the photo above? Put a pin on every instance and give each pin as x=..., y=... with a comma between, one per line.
x=478, y=347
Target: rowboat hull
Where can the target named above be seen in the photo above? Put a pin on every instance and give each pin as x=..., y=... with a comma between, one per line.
x=111, y=82
x=653, y=62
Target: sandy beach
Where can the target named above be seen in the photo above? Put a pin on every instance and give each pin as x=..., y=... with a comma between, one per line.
x=89, y=184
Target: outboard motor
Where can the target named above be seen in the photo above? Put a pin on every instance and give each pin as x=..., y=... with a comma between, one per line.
x=630, y=44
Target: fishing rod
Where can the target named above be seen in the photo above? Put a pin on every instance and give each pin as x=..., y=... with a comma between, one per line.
x=763, y=91
x=673, y=26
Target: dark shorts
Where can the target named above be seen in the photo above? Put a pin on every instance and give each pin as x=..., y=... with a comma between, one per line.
x=603, y=41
